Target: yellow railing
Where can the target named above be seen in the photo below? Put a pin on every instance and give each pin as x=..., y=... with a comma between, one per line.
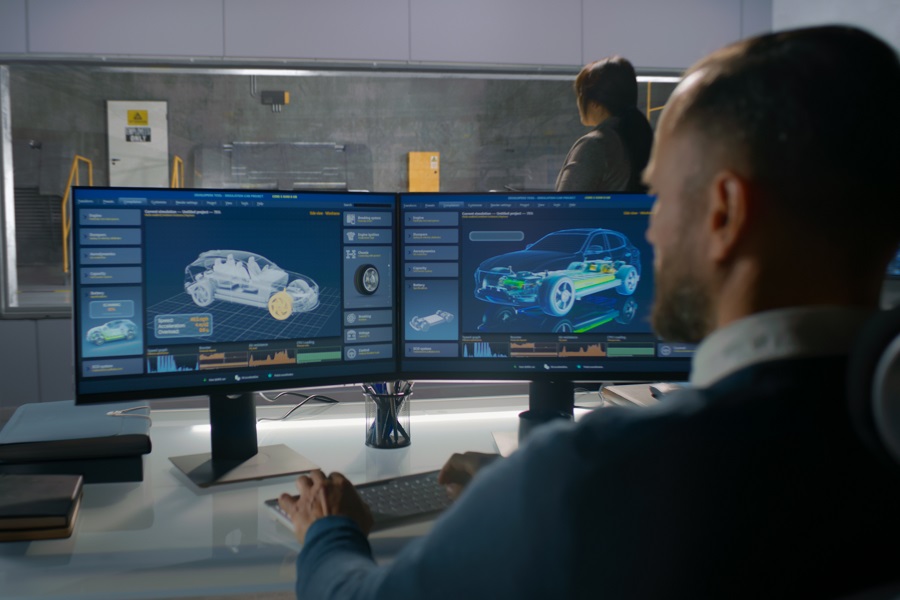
x=654, y=109
x=177, y=173
x=74, y=179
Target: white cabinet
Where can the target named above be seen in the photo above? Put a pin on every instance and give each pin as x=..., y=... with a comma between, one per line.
x=126, y=27
x=651, y=33
x=19, y=363
x=659, y=33
x=12, y=27
x=316, y=29
x=537, y=32
x=55, y=350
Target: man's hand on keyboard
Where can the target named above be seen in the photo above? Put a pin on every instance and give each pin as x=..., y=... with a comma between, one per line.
x=322, y=496
x=459, y=470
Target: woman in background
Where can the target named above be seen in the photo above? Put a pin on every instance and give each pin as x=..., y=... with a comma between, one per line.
x=611, y=157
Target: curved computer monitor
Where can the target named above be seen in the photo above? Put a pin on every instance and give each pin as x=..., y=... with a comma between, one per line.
x=552, y=288
x=181, y=292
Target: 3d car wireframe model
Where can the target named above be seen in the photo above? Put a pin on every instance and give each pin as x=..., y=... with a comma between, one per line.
x=426, y=323
x=111, y=331
x=248, y=278
x=560, y=268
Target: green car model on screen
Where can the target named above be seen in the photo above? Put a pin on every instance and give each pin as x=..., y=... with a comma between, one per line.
x=560, y=268
x=112, y=331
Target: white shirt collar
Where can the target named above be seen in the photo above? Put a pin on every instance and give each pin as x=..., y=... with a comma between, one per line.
x=800, y=332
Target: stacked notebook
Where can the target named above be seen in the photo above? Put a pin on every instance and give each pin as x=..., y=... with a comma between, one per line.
x=38, y=507
x=103, y=442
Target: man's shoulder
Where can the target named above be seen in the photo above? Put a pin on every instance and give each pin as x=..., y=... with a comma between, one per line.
x=776, y=387
x=822, y=375
x=620, y=428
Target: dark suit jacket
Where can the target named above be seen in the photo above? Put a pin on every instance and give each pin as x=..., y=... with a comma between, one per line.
x=757, y=487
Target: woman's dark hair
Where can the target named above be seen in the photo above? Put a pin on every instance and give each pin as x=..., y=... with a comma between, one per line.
x=637, y=135
x=612, y=83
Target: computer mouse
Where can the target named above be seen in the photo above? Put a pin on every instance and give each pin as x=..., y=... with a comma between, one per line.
x=658, y=390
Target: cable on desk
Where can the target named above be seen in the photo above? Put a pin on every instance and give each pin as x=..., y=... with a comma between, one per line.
x=603, y=402
x=582, y=390
x=129, y=412
x=306, y=398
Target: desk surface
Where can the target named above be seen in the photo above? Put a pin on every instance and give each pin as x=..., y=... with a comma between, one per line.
x=166, y=537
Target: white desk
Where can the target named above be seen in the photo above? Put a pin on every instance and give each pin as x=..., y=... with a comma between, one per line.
x=165, y=537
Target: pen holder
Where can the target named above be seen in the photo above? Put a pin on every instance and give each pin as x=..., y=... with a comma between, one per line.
x=387, y=414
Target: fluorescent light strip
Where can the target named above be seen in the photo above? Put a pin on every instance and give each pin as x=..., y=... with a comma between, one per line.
x=360, y=423
x=657, y=79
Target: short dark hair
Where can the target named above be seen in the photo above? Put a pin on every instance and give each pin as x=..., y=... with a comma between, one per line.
x=611, y=82
x=811, y=115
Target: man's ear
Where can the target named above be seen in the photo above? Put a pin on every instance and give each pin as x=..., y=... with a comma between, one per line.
x=729, y=214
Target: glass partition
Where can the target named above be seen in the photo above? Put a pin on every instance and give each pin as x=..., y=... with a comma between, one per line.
x=86, y=124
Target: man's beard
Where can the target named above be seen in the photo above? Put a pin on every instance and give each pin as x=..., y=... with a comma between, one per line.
x=682, y=310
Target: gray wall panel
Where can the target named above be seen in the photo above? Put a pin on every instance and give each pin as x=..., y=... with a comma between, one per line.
x=756, y=17
x=18, y=363
x=339, y=29
x=13, y=26
x=158, y=28
x=654, y=33
x=56, y=359
x=500, y=31
x=881, y=17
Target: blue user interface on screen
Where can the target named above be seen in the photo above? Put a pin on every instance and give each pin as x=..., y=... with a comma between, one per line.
x=530, y=286
x=181, y=291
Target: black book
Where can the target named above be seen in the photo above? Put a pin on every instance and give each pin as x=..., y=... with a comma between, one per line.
x=43, y=430
x=34, y=507
x=103, y=442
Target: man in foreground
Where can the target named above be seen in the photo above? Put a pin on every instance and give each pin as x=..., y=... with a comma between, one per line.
x=775, y=218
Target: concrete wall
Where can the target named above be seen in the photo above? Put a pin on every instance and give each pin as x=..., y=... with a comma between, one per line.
x=491, y=133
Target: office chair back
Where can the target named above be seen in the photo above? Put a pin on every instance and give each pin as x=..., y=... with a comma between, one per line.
x=886, y=398
x=874, y=385
x=874, y=400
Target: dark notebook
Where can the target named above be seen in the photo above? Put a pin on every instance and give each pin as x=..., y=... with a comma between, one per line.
x=103, y=442
x=35, y=507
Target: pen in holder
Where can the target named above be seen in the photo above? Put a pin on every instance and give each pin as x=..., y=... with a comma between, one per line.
x=387, y=413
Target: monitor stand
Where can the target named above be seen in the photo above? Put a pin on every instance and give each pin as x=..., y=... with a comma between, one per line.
x=551, y=399
x=235, y=456
x=547, y=401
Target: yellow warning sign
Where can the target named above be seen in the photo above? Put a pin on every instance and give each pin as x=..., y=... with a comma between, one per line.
x=137, y=117
x=424, y=171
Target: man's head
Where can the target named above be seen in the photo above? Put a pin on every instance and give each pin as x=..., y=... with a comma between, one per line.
x=774, y=168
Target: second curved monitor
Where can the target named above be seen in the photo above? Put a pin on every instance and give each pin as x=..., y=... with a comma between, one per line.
x=530, y=286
